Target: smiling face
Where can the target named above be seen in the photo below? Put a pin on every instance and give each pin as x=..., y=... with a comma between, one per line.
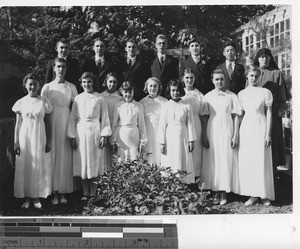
x=128, y=95
x=63, y=49
x=252, y=77
x=99, y=48
x=189, y=80
x=32, y=86
x=229, y=53
x=219, y=81
x=60, y=69
x=87, y=85
x=152, y=88
x=131, y=49
x=111, y=84
x=161, y=45
x=264, y=61
x=194, y=48
x=175, y=92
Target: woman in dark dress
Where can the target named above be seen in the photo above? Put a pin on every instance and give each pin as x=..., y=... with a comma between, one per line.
x=272, y=79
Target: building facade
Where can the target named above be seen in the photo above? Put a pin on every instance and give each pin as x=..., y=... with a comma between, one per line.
x=271, y=30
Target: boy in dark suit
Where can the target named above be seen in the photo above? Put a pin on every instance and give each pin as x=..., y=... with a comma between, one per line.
x=73, y=71
x=164, y=67
x=200, y=65
x=100, y=65
x=235, y=79
x=134, y=69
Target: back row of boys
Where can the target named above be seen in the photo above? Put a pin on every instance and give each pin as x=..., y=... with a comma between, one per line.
x=165, y=67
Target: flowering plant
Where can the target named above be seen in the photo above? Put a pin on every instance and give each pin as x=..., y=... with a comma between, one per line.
x=137, y=188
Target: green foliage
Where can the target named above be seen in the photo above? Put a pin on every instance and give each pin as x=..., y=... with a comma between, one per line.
x=137, y=188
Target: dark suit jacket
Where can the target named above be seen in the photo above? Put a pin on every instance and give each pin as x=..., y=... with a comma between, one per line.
x=89, y=65
x=202, y=72
x=72, y=74
x=238, y=79
x=169, y=71
x=138, y=73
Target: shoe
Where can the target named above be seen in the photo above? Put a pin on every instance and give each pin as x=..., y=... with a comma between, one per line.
x=251, y=201
x=55, y=200
x=37, y=205
x=63, y=199
x=266, y=202
x=216, y=199
x=223, y=200
x=84, y=198
x=26, y=204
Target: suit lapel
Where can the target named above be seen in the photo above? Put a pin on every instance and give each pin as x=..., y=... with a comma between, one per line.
x=134, y=67
x=224, y=69
x=195, y=66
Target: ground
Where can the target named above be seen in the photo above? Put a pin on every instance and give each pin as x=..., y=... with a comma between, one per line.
x=235, y=205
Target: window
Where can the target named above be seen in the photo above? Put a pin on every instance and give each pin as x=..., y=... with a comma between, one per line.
x=279, y=32
x=249, y=42
x=285, y=64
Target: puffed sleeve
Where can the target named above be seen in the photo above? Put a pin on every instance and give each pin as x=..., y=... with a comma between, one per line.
x=74, y=92
x=142, y=126
x=162, y=126
x=190, y=124
x=47, y=106
x=115, y=122
x=240, y=97
x=105, y=129
x=44, y=91
x=73, y=119
x=268, y=97
x=17, y=107
x=235, y=104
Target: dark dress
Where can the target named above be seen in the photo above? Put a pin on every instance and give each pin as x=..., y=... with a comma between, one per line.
x=202, y=71
x=273, y=80
x=238, y=79
x=89, y=65
x=72, y=73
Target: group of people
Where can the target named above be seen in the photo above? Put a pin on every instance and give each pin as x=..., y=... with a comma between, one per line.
x=221, y=126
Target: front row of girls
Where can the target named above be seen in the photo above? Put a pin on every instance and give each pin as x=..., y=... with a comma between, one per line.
x=94, y=126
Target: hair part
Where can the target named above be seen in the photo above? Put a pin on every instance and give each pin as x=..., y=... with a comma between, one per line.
x=30, y=76
x=110, y=74
x=252, y=68
x=177, y=83
x=63, y=40
x=127, y=85
x=156, y=80
x=217, y=71
x=161, y=37
x=59, y=60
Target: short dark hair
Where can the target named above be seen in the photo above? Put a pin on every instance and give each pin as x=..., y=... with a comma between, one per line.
x=99, y=39
x=63, y=40
x=130, y=40
x=32, y=76
x=127, y=85
x=162, y=37
x=229, y=43
x=195, y=40
x=177, y=83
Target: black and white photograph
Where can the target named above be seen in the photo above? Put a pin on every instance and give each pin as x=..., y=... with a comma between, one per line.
x=181, y=111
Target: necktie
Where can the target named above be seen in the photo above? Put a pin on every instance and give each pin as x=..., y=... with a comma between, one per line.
x=130, y=63
x=99, y=64
x=230, y=70
x=162, y=61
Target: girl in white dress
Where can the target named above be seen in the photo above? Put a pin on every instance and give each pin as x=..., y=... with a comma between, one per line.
x=32, y=144
x=152, y=105
x=176, y=132
x=129, y=131
x=220, y=139
x=61, y=94
x=255, y=155
x=195, y=98
x=88, y=130
x=112, y=97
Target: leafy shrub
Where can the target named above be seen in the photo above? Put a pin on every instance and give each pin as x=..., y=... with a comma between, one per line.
x=137, y=188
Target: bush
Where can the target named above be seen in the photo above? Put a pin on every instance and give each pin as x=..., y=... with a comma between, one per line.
x=137, y=188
